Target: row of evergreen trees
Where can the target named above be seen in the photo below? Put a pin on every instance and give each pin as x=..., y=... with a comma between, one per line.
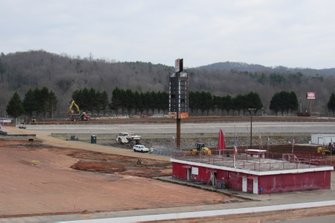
x=284, y=102
x=36, y=102
x=43, y=102
x=139, y=102
x=204, y=102
x=91, y=100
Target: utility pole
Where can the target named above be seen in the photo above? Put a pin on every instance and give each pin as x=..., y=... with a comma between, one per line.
x=178, y=131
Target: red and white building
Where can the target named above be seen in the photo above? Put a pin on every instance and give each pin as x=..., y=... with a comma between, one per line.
x=251, y=172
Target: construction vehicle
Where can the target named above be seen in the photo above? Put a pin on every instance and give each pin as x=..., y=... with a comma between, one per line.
x=2, y=131
x=201, y=149
x=75, y=113
x=326, y=150
x=323, y=150
x=125, y=138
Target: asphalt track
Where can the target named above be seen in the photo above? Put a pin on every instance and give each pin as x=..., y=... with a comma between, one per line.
x=204, y=214
x=227, y=127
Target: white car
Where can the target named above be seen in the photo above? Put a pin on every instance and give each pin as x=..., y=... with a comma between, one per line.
x=140, y=148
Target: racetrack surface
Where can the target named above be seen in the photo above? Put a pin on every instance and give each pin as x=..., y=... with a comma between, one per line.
x=191, y=128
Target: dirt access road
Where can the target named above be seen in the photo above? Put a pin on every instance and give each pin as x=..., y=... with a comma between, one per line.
x=37, y=179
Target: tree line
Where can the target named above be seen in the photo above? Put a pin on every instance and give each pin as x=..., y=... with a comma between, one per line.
x=91, y=100
x=36, y=102
x=138, y=102
x=205, y=101
x=43, y=102
x=284, y=102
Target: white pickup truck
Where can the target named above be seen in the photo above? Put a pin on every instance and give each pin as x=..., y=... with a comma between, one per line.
x=125, y=137
x=2, y=131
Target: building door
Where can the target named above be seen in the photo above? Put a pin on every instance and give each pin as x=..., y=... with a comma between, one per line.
x=188, y=174
x=255, y=185
x=244, y=184
x=213, y=178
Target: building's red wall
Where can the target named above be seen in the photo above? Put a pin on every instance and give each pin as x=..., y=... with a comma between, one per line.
x=231, y=180
x=179, y=171
x=294, y=182
x=204, y=175
x=266, y=184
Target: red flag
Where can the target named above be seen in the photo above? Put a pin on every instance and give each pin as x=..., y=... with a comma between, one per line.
x=221, y=142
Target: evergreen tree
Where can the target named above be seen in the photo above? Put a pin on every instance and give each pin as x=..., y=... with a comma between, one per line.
x=164, y=101
x=252, y=100
x=15, y=106
x=293, y=102
x=146, y=101
x=284, y=102
x=205, y=102
x=91, y=100
x=193, y=101
x=129, y=100
x=102, y=101
x=239, y=103
x=217, y=101
x=116, y=100
x=331, y=103
x=43, y=100
x=40, y=101
x=152, y=101
x=30, y=102
x=138, y=102
x=227, y=103
x=51, y=103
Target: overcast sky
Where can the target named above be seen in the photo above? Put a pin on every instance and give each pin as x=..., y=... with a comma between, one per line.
x=293, y=33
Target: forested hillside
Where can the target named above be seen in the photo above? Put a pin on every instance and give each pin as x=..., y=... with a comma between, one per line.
x=64, y=75
x=239, y=78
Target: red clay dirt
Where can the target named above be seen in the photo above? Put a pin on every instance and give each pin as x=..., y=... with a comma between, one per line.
x=108, y=163
x=38, y=179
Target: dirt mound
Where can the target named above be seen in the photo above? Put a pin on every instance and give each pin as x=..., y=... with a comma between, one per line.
x=95, y=166
x=107, y=163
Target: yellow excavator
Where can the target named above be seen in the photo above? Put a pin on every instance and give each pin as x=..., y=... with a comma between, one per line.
x=75, y=113
x=323, y=150
x=201, y=149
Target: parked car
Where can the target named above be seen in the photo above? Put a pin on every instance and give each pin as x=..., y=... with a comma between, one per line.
x=140, y=148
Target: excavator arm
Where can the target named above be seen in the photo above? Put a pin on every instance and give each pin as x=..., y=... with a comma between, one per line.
x=73, y=108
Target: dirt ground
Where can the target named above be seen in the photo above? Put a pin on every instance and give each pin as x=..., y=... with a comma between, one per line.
x=123, y=165
x=38, y=179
